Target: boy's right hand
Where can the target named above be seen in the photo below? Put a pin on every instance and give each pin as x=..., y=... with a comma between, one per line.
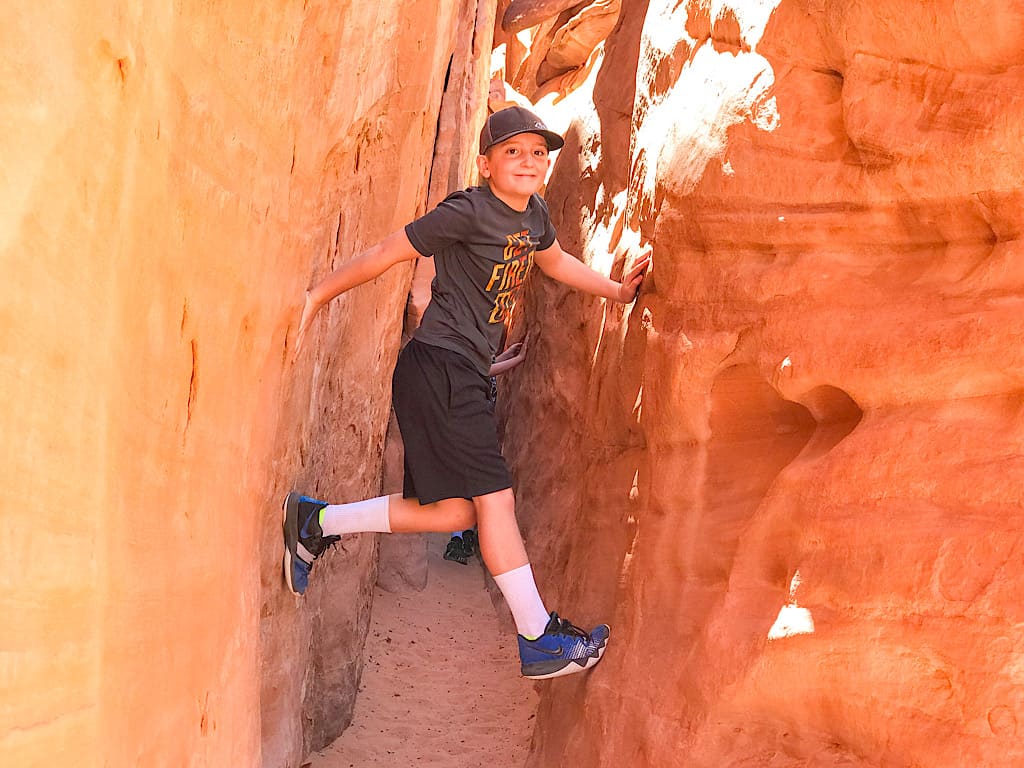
x=629, y=288
x=518, y=351
x=309, y=310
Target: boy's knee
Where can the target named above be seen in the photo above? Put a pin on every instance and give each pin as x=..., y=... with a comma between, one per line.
x=499, y=501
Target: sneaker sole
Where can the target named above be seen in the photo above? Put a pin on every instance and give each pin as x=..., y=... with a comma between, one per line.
x=290, y=524
x=571, y=668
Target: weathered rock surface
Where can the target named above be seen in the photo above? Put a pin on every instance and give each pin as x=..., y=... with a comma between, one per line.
x=173, y=179
x=402, y=562
x=573, y=43
x=552, y=41
x=523, y=14
x=822, y=379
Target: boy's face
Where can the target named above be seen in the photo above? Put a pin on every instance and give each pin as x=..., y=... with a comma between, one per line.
x=516, y=168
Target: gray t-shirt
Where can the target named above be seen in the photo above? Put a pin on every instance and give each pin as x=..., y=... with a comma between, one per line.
x=483, y=250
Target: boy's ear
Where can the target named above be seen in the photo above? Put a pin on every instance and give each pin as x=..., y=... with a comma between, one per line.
x=483, y=166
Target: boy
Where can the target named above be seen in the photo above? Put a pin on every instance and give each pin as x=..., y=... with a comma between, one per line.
x=485, y=241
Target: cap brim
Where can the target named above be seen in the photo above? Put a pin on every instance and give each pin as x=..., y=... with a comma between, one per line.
x=552, y=139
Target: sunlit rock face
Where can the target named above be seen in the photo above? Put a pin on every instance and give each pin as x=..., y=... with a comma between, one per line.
x=174, y=176
x=790, y=475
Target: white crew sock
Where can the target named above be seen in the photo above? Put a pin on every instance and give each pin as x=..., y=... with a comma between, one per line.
x=357, y=517
x=520, y=591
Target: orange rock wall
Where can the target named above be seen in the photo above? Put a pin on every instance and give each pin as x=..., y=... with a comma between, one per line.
x=817, y=404
x=174, y=177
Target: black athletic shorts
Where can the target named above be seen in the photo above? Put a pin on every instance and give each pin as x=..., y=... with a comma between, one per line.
x=448, y=426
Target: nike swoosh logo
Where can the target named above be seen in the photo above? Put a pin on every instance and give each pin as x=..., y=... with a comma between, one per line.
x=556, y=652
x=305, y=532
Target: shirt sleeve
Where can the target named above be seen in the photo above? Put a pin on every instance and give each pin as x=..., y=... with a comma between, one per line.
x=448, y=223
x=548, y=235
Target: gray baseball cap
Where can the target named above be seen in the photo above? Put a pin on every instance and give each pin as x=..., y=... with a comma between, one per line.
x=511, y=121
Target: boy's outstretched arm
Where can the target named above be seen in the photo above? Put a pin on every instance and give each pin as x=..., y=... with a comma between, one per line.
x=371, y=263
x=509, y=359
x=557, y=264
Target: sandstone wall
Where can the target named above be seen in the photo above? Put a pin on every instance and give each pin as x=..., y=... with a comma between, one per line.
x=174, y=176
x=817, y=405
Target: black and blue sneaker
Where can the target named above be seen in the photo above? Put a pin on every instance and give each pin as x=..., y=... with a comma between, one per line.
x=562, y=650
x=472, y=542
x=457, y=551
x=304, y=539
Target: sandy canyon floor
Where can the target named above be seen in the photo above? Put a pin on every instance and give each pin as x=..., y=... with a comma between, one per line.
x=441, y=685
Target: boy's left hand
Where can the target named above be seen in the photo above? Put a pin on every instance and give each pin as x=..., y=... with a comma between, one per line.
x=629, y=288
x=518, y=351
x=515, y=354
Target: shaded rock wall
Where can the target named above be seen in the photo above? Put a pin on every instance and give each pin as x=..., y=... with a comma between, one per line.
x=174, y=178
x=817, y=404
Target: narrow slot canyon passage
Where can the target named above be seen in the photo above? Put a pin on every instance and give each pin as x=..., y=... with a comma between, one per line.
x=441, y=683
x=788, y=474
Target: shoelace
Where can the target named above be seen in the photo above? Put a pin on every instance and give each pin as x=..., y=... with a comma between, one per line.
x=329, y=541
x=566, y=627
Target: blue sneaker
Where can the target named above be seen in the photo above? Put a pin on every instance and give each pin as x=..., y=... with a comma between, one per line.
x=304, y=539
x=457, y=551
x=562, y=650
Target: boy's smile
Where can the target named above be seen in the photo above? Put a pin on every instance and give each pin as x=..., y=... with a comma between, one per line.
x=516, y=168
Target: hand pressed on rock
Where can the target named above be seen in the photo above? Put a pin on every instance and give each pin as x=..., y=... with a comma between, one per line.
x=510, y=358
x=629, y=288
x=517, y=352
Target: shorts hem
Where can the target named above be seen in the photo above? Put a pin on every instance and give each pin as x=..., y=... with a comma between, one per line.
x=433, y=498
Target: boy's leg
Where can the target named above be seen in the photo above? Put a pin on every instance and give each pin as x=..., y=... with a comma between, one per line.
x=501, y=544
x=409, y=516
x=548, y=645
x=395, y=514
x=358, y=517
x=310, y=526
x=502, y=550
